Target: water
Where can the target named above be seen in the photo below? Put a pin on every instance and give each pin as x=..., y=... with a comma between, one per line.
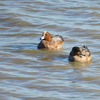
x=27, y=73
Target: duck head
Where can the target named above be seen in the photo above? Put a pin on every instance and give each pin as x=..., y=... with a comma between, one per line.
x=46, y=36
x=77, y=51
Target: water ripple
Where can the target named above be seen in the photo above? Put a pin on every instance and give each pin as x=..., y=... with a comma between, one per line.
x=27, y=73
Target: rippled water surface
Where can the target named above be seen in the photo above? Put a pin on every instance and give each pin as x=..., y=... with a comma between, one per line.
x=27, y=73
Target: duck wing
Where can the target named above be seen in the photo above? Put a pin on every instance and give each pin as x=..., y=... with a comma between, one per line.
x=57, y=38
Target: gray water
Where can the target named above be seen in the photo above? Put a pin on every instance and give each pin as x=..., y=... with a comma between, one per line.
x=27, y=73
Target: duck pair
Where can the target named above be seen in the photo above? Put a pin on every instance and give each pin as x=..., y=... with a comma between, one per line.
x=80, y=54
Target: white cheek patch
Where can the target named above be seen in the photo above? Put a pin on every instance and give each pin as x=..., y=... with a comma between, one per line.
x=42, y=38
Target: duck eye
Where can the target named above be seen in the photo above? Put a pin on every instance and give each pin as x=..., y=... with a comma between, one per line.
x=46, y=34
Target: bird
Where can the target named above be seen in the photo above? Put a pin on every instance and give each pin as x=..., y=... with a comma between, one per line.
x=80, y=54
x=50, y=42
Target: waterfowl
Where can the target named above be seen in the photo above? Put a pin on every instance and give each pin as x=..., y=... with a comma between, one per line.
x=80, y=54
x=50, y=42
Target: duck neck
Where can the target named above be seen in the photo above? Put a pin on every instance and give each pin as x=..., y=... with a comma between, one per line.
x=49, y=38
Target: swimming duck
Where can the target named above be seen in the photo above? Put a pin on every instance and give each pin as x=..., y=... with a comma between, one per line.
x=49, y=42
x=80, y=54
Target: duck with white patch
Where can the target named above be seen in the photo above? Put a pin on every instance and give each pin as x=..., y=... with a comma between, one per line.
x=50, y=42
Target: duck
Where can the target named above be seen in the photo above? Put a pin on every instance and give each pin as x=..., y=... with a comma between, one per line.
x=50, y=42
x=80, y=54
